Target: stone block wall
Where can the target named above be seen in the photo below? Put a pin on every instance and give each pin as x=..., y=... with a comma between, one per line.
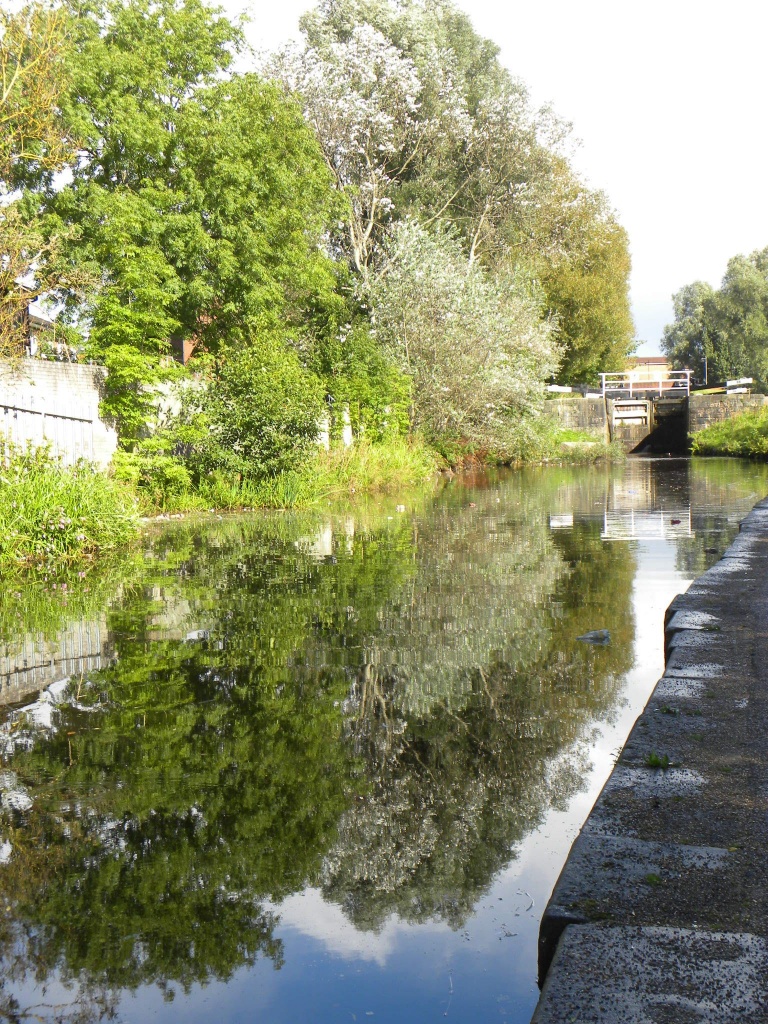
x=580, y=414
x=704, y=410
x=56, y=403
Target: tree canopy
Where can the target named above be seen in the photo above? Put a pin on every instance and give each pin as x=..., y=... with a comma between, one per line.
x=723, y=333
x=34, y=71
x=228, y=209
x=197, y=204
x=417, y=118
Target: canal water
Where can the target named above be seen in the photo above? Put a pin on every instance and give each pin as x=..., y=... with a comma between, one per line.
x=327, y=768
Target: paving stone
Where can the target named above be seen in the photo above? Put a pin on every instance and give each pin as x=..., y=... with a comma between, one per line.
x=631, y=975
x=661, y=911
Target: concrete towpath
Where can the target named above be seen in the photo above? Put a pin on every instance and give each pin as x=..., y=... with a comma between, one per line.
x=660, y=915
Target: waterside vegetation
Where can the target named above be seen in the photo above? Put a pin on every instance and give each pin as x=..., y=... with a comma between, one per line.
x=745, y=436
x=59, y=519
x=55, y=517
x=374, y=230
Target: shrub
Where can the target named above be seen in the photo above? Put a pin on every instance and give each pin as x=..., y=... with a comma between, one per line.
x=360, y=375
x=152, y=469
x=477, y=347
x=263, y=410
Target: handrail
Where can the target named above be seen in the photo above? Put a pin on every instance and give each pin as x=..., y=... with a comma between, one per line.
x=627, y=384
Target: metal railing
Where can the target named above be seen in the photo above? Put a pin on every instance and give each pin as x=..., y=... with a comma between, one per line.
x=675, y=384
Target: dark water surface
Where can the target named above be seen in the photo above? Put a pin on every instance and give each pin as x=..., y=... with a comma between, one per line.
x=328, y=768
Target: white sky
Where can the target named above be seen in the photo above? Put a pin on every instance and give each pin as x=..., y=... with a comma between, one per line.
x=669, y=101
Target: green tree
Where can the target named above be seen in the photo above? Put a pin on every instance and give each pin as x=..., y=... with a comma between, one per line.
x=34, y=43
x=199, y=205
x=586, y=282
x=256, y=200
x=688, y=341
x=33, y=76
x=458, y=141
x=741, y=318
x=727, y=326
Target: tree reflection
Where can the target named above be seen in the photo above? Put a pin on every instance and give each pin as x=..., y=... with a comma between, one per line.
x=383, y=707
x=462, y=775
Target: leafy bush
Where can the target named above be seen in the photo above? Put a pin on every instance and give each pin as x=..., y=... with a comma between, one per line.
x=341, y=472
x=153, y=470
x=362, y=377
x=263, y=410
x=129, y=401
x=54, y=515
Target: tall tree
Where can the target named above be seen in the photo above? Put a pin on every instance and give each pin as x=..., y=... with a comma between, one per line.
x=585, y=277
x=416, y=116
x=466, y=147
x=361, y=96
x=33, y=75
x=727, y=326
x=688, y=340
x=741, y=318
x=198, y=204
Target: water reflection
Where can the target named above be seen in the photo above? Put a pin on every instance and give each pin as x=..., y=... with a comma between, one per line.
x=374, y=711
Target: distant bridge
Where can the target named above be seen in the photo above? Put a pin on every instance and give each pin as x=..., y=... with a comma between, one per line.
x=677, y=382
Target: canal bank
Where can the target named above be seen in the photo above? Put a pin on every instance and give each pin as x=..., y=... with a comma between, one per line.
x=661, y=911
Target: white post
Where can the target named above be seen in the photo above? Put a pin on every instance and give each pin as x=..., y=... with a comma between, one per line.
x=324, y=432
x=346, y=427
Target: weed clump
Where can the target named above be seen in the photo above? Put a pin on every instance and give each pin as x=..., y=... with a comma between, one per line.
x=54, y=516
x=654, y=760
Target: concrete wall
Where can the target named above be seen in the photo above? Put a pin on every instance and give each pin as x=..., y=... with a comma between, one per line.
x=703, y=410
x=57, y=403
x=580, y=414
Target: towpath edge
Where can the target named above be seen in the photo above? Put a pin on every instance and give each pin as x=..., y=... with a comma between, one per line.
x=660, y=915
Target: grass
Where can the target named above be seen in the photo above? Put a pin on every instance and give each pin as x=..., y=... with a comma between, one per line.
x=550, y=441
x=568, y=435
x=54, y=516
x=565, y=444
x=745, y=435
x=653, y=760
x=337, y=474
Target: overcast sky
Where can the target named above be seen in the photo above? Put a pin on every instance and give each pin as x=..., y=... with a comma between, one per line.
x=668, y=99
